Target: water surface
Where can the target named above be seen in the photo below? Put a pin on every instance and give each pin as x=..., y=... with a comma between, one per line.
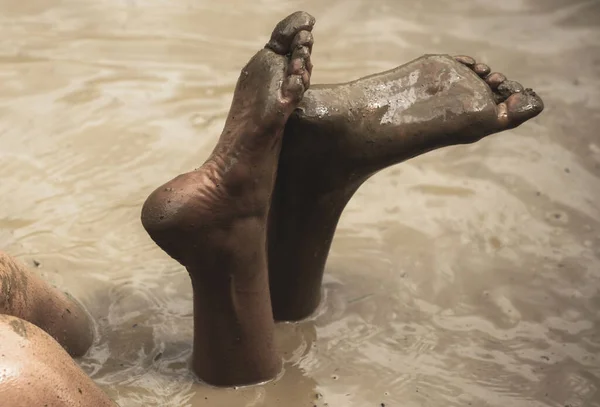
x=469, y=276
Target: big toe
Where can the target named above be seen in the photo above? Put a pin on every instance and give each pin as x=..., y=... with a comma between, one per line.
x=519, y=107
x=287, y=29
x=299, y=68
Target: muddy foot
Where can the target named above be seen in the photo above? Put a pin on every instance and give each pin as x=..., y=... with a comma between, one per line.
x=213, y=220
x=515, y=104
x=343, y=134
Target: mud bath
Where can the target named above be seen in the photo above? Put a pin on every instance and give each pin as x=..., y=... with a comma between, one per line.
x=468, y=275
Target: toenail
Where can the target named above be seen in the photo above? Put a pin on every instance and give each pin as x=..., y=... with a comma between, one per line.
x=481, y=69
x=466, y=60
x=495, y=79
x=301, y=52
x=507, y=88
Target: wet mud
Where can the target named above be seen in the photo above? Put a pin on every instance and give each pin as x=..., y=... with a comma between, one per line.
x=467, y=276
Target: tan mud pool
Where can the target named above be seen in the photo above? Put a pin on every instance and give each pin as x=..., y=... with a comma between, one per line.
x=467, y=275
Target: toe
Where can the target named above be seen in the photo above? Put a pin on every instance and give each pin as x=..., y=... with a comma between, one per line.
x=298, y=60
x=465, y=60
x=299, y=64
x=519, y=108
x=303, y=38
x=293, y=88
x=285, y=32
x=309, y=66
x=508, y=88
x=494, y=80
x=482, y=70
x=302, y=48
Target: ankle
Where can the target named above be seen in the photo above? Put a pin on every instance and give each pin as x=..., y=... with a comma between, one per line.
x=233, y=333
x=296, y=309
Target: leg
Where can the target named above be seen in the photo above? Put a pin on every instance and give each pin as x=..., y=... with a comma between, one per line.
x=26, y=296
x=213, y=220
x=343, y=134
x=36, y=371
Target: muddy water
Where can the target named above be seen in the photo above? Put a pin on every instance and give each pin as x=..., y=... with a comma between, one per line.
x=469, y=276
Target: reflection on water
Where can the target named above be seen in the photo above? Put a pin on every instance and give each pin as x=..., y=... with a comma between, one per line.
x=469, y=276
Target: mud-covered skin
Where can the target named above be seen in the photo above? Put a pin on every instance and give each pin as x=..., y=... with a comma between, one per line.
x=36, y=371
x=343, y=134
x=26, y=296
x=213, y=220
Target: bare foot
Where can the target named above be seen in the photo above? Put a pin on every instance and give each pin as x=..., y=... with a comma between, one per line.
x=343, y=134
x=26, y=296
x=36, y=371
x=213, y=220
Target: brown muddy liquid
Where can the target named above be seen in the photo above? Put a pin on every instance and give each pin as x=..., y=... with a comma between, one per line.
x=469, y=276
